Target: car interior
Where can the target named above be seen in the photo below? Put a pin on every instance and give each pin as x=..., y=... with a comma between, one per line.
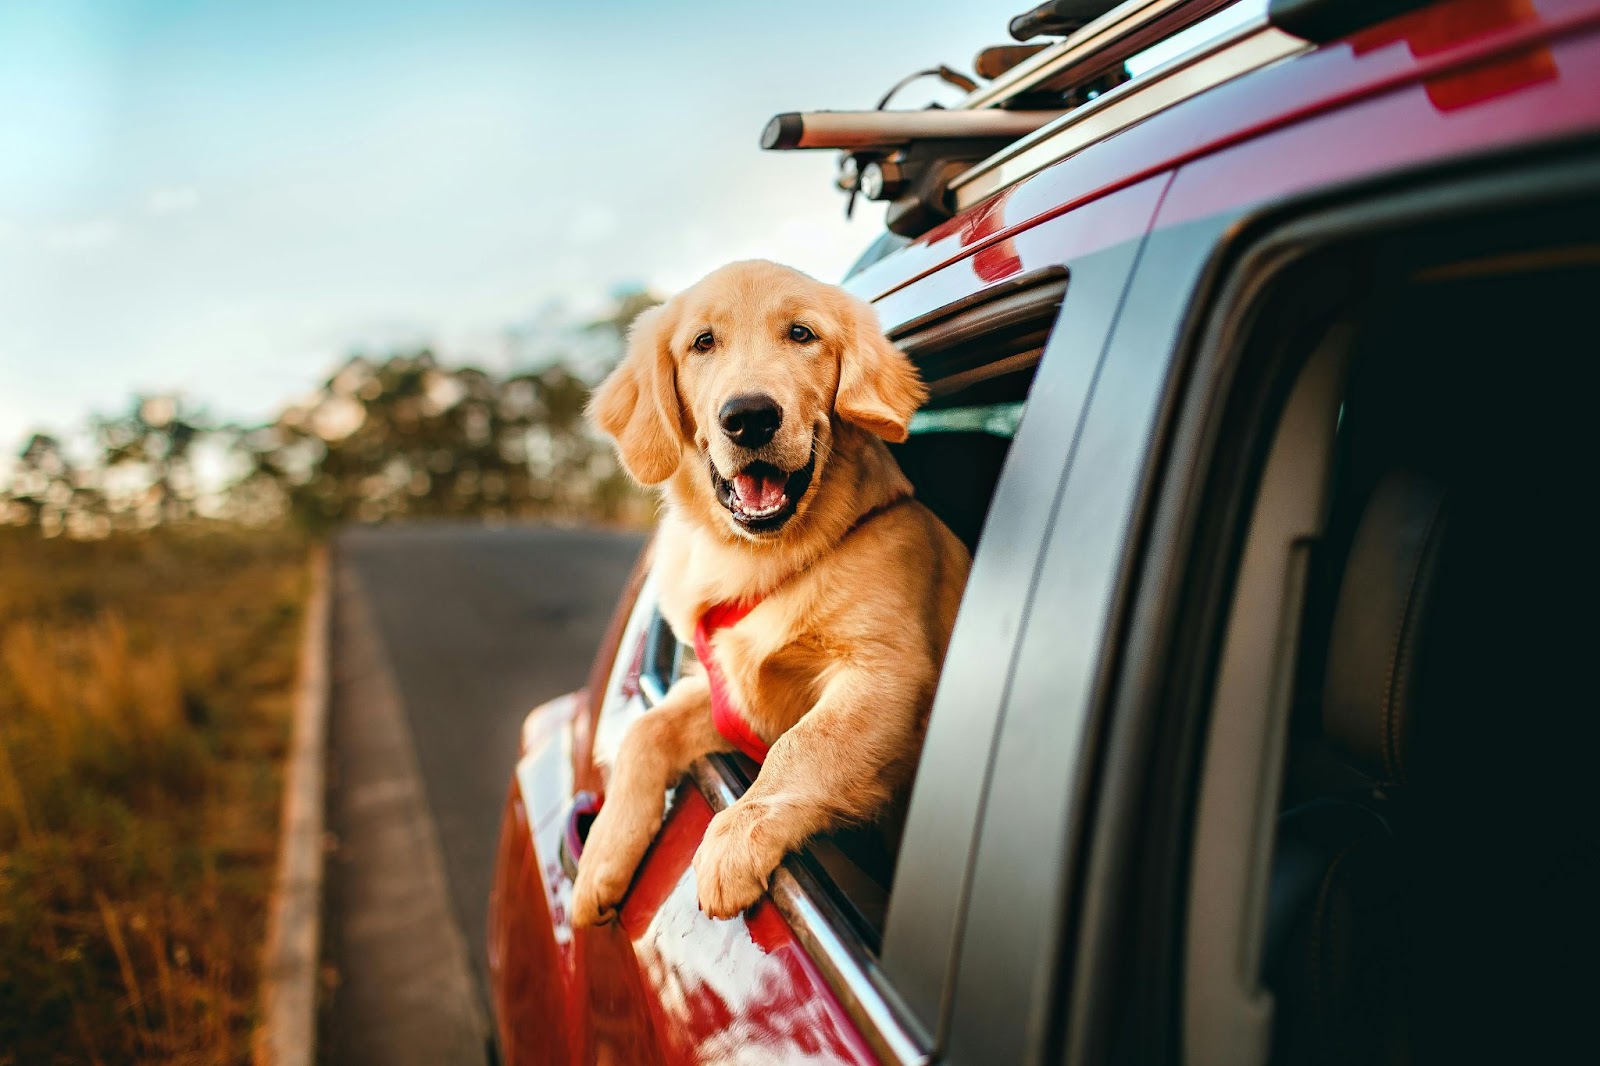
x=1431, y=878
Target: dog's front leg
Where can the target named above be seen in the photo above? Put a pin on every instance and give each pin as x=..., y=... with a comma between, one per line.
x=841, y=763
x=654, y=753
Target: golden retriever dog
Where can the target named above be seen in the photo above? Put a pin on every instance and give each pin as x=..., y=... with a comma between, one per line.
x=760, y=400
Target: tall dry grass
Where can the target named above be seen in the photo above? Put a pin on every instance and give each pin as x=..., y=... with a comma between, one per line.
x=144, y=696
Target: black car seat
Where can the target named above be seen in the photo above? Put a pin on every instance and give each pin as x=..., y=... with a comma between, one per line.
x=1436, y=884
x=1331, y=949
x=955, y=474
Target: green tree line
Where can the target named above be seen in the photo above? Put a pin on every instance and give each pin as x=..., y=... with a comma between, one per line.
x=397, y=437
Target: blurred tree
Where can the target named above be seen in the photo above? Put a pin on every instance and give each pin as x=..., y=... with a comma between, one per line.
x=407, y=438
x=383, y=439
x=42, y=484
x=147, y=450
x=626, y=305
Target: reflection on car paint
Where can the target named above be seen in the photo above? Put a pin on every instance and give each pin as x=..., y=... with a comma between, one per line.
x=999, y=260
x=731, y=991
x=665, y=984
x=1431, y=31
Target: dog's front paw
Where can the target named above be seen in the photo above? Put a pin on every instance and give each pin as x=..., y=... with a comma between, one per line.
x=598, y=890
x=730, y=870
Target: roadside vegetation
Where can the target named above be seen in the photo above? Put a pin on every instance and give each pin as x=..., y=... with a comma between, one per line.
x=145, y=688
x=153, y=564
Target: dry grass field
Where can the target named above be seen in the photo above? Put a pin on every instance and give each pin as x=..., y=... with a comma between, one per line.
x=145, y=686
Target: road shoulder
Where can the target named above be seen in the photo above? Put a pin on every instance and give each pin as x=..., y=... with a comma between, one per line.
x=402, y=991
x=286, y=1034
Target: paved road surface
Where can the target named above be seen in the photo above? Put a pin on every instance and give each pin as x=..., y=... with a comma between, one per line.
x=444, y=636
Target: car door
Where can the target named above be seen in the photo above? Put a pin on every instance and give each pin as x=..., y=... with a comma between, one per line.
x=1004, y=990
x=1120, y=953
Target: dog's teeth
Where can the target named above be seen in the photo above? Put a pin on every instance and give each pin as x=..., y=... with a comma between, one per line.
x=765, y=512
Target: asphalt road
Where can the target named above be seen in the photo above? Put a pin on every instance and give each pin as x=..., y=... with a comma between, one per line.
x=444, y=637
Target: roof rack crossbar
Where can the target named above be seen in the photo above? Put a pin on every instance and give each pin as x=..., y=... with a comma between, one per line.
x=1107, y=42
x=890, y=129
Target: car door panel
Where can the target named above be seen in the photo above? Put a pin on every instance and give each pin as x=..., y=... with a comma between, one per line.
x=530, y=954
x=925, y=911
x=1006, y=995
x=742, y=990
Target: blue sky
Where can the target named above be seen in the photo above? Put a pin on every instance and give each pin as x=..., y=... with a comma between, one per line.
x=224, y=198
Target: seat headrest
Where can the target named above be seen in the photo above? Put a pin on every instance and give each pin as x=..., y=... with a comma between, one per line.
x=1369, y=690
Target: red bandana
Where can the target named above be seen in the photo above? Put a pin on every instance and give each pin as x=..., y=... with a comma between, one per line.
x=729, y=720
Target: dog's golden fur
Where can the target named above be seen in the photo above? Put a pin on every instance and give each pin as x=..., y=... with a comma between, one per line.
x=837, y=665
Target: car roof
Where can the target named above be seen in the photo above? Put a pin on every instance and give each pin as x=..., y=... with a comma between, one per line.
x=1146, y=128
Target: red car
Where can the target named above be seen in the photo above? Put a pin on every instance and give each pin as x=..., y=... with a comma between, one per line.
x=1262, y=389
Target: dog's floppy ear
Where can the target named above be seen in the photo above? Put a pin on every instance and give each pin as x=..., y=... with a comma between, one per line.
x=637, y=404
x=879, y=388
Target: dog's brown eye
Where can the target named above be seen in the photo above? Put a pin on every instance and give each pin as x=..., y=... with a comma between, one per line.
x=800, y=334
x=704, y=342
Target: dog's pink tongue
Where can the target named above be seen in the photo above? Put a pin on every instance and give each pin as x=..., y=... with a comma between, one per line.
x=758, y=492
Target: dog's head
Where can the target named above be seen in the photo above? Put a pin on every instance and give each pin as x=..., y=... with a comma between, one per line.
x=743, y=376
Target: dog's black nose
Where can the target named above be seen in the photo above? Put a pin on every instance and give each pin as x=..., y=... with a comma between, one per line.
x=751, y=420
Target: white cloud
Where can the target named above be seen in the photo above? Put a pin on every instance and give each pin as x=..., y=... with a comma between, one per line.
x=83, y=236
x=591, y=223
x=171, y=200
x=807, y=241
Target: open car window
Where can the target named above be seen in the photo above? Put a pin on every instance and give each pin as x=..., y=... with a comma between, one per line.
x=979, y=361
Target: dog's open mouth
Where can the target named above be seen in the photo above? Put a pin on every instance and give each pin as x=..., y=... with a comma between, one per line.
x=762, y=498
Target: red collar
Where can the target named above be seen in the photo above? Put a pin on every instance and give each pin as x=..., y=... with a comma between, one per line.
x=729, y=720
